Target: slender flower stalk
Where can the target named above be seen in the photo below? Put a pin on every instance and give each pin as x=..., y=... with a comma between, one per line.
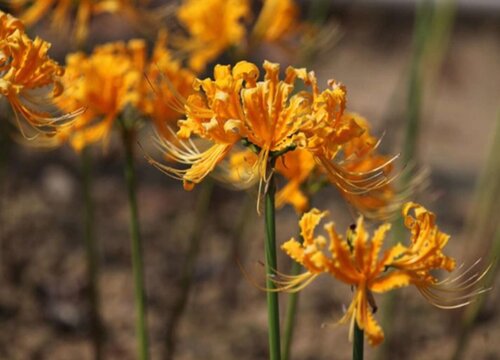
x=271, y=269
x=136, y=246
x=92, y=255
x=358, y=343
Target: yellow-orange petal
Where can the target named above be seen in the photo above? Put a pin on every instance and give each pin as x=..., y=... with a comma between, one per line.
x=390, y=281
x=294, y=249
x=308, y=223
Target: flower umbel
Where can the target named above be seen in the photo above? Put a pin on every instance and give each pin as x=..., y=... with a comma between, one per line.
x=29, y=79
x=269, y=118
x=356, y=261
x=105, y=82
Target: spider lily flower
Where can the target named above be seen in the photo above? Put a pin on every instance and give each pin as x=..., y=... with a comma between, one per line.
x=105, y=83
x=236, y=108
x=213, y=26
x=233, y=107
x=425, y=253
x=357, y=261
x=29, y=79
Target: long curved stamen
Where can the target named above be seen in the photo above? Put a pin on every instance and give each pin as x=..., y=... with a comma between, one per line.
x=447, y=294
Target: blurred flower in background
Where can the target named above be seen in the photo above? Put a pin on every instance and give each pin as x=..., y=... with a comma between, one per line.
x=105, y=82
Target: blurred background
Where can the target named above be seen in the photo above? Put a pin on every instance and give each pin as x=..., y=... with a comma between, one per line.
x=43, y=307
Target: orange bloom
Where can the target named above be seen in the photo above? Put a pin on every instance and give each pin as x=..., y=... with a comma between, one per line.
x=276, y=19
x=213, y=26
x=30, y=80
x=236, y=108
x=105, y=82
x=356, y=261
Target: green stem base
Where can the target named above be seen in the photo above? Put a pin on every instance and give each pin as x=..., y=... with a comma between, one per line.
x=271, y=268
x=136, y=245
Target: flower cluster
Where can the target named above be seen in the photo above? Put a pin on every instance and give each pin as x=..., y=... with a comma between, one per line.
x=356, y=261
x=29, y=79
x=114, y=79
x=235, y=109
x=105, y=82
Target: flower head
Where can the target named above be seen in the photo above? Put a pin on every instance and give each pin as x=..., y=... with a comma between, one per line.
x=29, y=79
x=267, y=116
x=356, y=261
x=105, y=83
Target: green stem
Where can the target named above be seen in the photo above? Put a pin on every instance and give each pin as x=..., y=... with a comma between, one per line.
x=186, y=280
x=137, y=262
x=291, y=312
x=421, y=35
x=271, y=268
x=358, y=343
x=91, y=255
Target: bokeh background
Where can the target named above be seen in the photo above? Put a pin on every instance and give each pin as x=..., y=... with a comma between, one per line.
x=43, y=309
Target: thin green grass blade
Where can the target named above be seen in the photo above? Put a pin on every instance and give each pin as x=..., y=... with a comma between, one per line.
x=92, y=256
